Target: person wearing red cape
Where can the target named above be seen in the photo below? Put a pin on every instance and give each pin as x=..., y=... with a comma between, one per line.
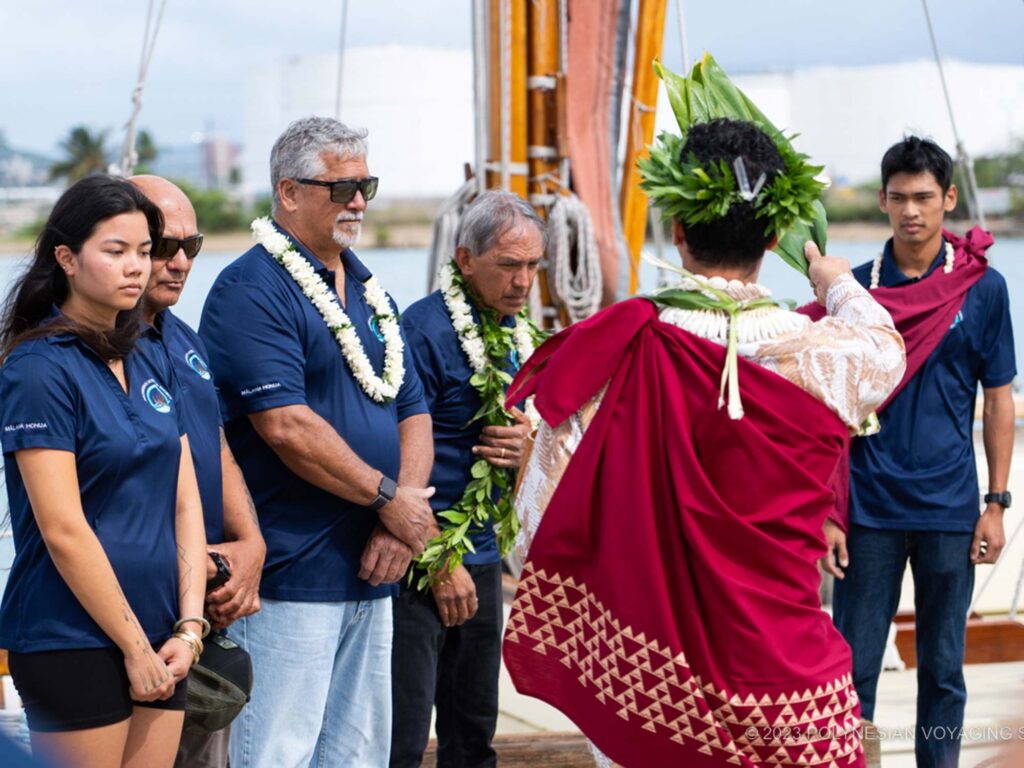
x=913, y=487
x=669, y=601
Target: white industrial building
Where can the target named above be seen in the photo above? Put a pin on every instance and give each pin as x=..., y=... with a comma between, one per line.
x=848, y=116
x=417, y=104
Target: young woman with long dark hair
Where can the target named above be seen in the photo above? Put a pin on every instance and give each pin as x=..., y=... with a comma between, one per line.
x=102, y=614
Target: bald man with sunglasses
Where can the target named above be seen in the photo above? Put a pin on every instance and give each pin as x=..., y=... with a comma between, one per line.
x=234, y=541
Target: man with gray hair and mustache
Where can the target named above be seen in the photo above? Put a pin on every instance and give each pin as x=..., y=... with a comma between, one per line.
x=448, y=639
x=325, y=413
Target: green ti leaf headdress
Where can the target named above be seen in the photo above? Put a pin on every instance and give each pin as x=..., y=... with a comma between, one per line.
x=683, y=189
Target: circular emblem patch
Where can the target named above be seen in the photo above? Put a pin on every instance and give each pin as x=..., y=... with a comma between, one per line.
x=197, y=364
x=158, y=398
x=375, y=327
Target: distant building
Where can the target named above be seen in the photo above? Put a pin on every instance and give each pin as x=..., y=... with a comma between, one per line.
x=26, y=193
x=848, y=116
x=416, y=102
x=19, y=168
x=418, y=105
x=208, y=162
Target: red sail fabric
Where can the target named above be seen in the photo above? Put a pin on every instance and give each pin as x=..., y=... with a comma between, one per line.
x=669, y=603
x=592, y=61
x=923, y=312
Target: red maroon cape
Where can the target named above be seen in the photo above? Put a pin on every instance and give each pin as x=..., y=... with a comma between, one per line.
x=669, y=603
x=923, y=312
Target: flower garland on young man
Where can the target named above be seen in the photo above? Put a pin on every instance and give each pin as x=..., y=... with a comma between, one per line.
x=380, y=389
x=876, y=265
x=488, y=346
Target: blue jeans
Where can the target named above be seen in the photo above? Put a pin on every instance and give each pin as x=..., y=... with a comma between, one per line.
x=322, y=686
x=865, y=602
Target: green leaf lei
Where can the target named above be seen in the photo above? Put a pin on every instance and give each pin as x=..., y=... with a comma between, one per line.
x=685, y=190
x=488, y=495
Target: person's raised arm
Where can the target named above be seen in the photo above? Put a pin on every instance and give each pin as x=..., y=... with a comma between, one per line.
x=51, y=481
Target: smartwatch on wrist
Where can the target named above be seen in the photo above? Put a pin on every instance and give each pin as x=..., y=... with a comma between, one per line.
x=223, y=572
x=385, y=492
x=1003, y=498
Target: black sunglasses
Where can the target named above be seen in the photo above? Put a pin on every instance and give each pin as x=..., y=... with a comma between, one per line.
x=166, y=247
x=343, y=190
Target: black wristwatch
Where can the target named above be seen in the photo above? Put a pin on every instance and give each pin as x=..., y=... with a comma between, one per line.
x=1003, y=498
x=385, y=492
x=223, y=572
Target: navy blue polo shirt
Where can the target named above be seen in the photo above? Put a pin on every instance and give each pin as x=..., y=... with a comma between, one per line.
x=269, y=348
x=453, y=401
x=918, y=473
x=57, y=393
x=200, y=410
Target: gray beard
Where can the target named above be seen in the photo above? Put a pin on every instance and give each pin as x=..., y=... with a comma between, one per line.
x=346, y=240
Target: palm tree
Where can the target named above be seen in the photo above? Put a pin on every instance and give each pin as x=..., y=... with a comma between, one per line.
x=146, y=150
x=85, y=153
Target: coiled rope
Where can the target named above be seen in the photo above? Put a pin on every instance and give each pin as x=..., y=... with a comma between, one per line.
x=574, y=264
x=446, y=230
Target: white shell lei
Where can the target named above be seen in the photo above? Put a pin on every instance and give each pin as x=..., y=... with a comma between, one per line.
x=735, y=323
x=876, y=265
x=378, y=388
x=468, y=331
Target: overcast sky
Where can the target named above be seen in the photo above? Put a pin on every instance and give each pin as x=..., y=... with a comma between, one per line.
x=67, y=62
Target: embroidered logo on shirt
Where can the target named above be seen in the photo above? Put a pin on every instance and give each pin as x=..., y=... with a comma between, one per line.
x=375, y=327
x=260, y=388
x=26, y=425
x=158, y=398
x=197, y=364
x=957, y=320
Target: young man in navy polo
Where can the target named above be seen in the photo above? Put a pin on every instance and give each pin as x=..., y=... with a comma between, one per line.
x=448, y=640
x=325, y=414
x=233, y=536
x=914, y=487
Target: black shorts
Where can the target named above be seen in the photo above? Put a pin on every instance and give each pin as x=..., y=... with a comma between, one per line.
x=78, y=689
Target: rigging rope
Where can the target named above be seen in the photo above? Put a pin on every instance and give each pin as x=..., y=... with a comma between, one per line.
x=341, y=59
x=966, y=163
x=446, y=231
x=574, y=263
x=129, y=156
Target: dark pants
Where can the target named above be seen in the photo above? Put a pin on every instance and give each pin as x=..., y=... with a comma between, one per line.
x=455, y=669
x=865, y=603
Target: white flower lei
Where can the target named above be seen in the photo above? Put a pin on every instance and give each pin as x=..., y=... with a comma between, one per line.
x=876, y=265
x=468, y=331
x=379, y=388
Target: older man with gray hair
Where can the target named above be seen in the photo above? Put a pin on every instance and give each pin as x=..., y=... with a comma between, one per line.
x=448, y=640
x=324, y=411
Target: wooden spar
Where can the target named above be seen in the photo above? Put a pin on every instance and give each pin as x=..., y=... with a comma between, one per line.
x=543, y=149
x=650, y=30
x=546, y=147
x=507, y=77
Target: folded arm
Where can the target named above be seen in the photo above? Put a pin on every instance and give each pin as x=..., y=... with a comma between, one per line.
x=311, y=448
